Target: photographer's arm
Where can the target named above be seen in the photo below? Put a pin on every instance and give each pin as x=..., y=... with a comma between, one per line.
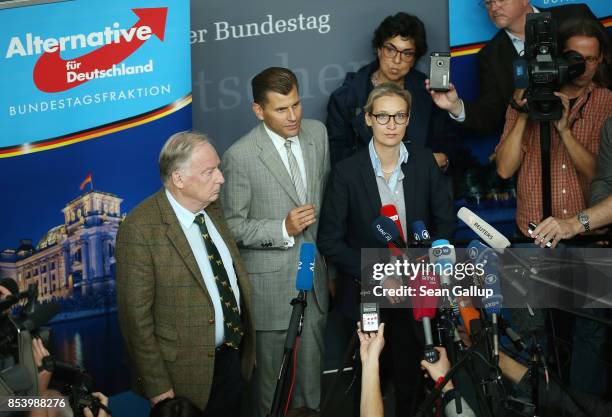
x=508, y=154
x=583, y=160
x=371, y=344
x=44, y=375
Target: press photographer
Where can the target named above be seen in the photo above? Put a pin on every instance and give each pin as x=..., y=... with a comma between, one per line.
x=26, y=366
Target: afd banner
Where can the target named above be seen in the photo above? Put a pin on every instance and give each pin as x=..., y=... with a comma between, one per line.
x=479, y=187
x=90, y=92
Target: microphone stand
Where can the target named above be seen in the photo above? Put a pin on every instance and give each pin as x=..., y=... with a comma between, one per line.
x=490, y=393
x=425, y=408
x=449, y=337
x=534, y=366
x=293, y=331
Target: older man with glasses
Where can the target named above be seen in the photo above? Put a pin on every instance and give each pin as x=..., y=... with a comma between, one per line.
x=399, y=41
x=486, y=113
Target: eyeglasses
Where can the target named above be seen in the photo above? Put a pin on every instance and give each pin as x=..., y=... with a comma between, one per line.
x=391, y=52
x=487, y=4
x=398, y=118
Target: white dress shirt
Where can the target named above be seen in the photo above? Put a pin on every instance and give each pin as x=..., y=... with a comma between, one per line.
x=279, y=143
x=196, y=243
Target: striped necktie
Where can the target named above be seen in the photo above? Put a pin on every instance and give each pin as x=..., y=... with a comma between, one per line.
x=231, y=315
x=295, y=173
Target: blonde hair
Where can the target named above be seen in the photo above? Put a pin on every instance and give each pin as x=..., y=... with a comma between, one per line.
x=385, y=90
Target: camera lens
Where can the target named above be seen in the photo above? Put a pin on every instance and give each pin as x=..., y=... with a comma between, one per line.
x=440, y=63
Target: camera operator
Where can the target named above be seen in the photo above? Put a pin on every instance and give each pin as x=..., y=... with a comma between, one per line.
x=45, y=363
x=574, y=141
x=574, y=146
x=485, y=114
x=370, y=346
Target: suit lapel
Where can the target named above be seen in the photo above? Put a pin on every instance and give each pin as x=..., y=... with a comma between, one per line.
x=175, y=234
x=308, y=152
x=271, y=159
x=409, y=187
x=369, y=181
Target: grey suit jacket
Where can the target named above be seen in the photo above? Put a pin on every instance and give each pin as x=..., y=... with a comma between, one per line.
x=601, y=187
x=257, y=196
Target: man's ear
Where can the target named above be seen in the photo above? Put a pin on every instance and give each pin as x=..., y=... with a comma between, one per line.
x=258, y=110
x=177, y=179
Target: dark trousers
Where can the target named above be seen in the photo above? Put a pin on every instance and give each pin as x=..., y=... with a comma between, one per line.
x=400, y=359
x=228, y=385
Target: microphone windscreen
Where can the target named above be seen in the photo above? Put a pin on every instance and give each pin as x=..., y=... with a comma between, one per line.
x=483, y=229
x=492, y=283
x=424, y=305
x=467, y=311
x=11, y=285
x=476, y=249
x=442, y=253
x=390, y=211
x=305, y=272
x=420, y=230
x=41, y=316
x=385, y=230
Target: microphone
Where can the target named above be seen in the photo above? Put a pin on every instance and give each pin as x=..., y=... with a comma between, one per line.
x=478, y=252
x=305, y=271
x=303, y=283
x=442, y=255
x=424, y=309
x=385, y=231
x=493, y=303
x=41, y=316
x=483, y=229
x=390, y=211
x=468, y=312
x=420, y=233
x=514, y=337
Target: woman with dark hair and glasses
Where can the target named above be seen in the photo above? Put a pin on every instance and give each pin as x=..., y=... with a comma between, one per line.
x=398, y=42
x=386, y=171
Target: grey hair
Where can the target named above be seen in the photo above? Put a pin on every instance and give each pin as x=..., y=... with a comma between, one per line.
x=385, y=90
x=176, y=152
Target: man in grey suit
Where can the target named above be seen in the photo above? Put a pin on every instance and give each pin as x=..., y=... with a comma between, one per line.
x=274, y=180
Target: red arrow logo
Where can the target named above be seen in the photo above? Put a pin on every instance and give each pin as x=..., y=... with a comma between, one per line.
x=50, y=71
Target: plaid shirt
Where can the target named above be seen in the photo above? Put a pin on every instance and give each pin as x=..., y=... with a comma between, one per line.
x=569, y=190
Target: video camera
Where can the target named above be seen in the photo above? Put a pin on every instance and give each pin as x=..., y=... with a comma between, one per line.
x=21, y=373
x=77, y=384
x=544, y=67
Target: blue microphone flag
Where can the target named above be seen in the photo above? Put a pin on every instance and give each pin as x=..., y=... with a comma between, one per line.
x=305, y=271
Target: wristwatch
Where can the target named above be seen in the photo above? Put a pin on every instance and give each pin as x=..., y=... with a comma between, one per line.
x=583, y=218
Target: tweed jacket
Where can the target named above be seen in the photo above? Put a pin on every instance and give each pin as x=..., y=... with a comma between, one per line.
x=165, y=312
